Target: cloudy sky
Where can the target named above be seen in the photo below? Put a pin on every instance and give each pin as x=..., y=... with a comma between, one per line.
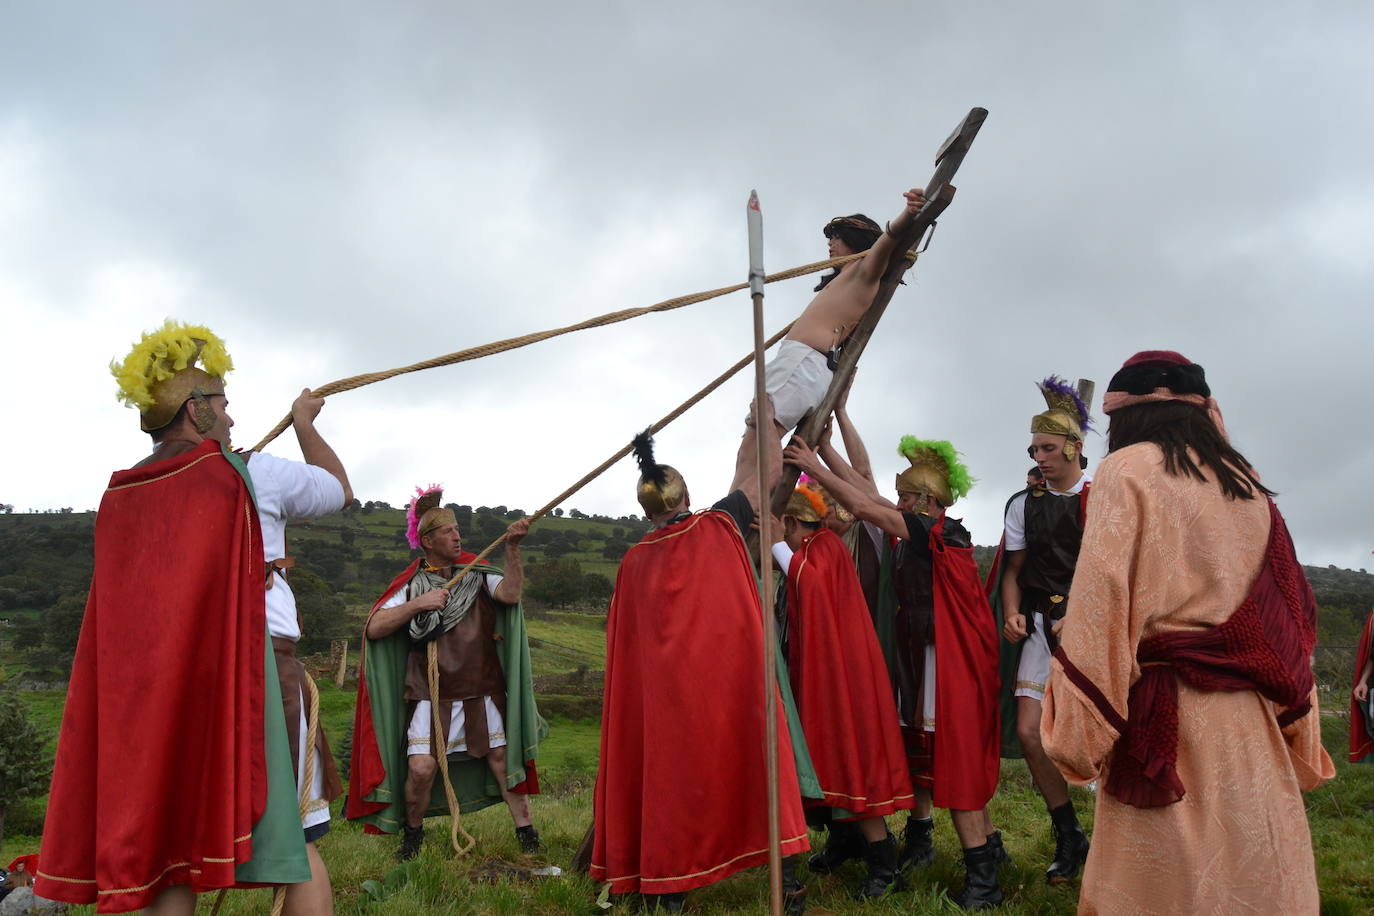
x=338, y=188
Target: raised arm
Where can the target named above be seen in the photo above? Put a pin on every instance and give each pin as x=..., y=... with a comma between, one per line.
x=512, y=582
x=861, y=504
x=875, y=265
x=315, y=450
x=747, y=459
x=842, y=469
x=853, y=443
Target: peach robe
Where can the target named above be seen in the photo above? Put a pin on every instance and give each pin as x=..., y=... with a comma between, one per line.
x=1163, y=553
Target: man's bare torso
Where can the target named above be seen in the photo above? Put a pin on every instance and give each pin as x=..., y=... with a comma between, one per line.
x=835, y=310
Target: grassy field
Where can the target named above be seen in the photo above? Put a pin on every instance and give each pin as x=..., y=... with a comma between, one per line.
x=1340, y=816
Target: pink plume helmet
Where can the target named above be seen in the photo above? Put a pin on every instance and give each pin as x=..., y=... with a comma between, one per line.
x=413, y=516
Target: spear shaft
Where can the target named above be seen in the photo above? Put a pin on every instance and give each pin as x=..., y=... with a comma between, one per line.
x=770, y=665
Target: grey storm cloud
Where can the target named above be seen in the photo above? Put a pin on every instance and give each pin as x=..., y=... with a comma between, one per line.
x=339, y=188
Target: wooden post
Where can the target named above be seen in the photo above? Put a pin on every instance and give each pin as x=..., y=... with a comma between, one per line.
x=939, y=192
x=343, y=663
x=762, y=434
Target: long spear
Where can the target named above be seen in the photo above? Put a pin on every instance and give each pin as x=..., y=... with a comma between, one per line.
x=770, y=666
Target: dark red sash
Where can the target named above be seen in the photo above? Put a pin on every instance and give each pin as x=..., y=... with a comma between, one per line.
x=1265, y=646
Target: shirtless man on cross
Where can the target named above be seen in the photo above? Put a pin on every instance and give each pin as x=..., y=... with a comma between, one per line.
x=799, y=375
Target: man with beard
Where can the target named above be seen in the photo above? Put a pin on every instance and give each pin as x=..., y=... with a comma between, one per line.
x=489, y=724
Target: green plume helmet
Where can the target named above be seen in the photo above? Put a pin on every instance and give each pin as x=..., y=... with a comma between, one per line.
x=935, y=469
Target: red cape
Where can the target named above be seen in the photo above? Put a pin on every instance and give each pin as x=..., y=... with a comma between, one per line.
x=681, y=781
x=840, y=683
x=966, y=701
x=160, y=772
x=1361, y=742
x=367, y=770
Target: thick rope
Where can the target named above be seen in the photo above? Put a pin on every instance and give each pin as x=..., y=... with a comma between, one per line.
x=312, y=731
x=312, y=734
x=512, y=343
x=625, y=450
x=439, y=735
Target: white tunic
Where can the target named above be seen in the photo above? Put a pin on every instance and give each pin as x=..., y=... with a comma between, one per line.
x=288, y=489
x=284, y=490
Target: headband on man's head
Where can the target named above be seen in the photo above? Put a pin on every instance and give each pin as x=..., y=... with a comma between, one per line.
x=1151, y=369
x=858, y=227
x=1155, y=376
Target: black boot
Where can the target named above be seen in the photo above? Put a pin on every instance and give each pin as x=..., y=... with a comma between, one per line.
x=528, y=838
x=844, y=842
x=981, y=889
x=665, y=903
x=999, y=852
x=1070, y=845
x=412, y=838
x=793, y=891
x=883, y=879
x=918, y=843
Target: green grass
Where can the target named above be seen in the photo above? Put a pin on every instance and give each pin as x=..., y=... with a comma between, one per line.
x=1339, y=813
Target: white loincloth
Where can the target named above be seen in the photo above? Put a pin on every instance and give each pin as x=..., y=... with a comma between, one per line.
x=796, y=379
x=421, y=725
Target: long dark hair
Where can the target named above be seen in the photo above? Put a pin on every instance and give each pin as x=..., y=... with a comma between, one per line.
x=1176, y=427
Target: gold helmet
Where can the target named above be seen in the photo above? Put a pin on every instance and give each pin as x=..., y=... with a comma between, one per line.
x=660, y=486
x=160, y=374
x=1068, y=412
x=424, y=514
x=807, y=504
x=935, y=470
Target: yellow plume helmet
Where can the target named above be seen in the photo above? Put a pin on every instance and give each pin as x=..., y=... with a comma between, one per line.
x=160, y=373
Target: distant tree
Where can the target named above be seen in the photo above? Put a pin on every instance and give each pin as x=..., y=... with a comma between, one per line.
x=499, y=510
x=516, y=513
x=558, y=513
x=464, y=516
x=577, y=513
x=321, y=611
x=28, y=633
x=6, y=508
x=23, y=770
x=354, y=505
x=555, y=581
x=62, y=627
x=595, y=587
x=382, y=504
x=559, y=548
x=378, y=568
x=367, y=508
x=346, y=536
x=617, y=532
x=614, y=550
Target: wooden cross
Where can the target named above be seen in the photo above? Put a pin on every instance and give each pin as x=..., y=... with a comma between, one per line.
x=939, y=192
